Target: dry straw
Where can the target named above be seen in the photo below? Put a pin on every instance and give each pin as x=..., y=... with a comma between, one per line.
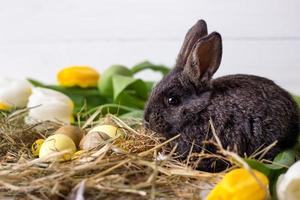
x=141, y=166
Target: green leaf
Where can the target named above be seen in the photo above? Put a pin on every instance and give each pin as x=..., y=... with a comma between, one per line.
x=136, y=86
x=115, y=109
x=286, y=158
x=105, y=84
x=112, y=108
x=36, y=83
x=137, y=114
x=297, y=99
x=150, y=85
x=267, y=169
x=280, y=164
x=126, y=99
x=66, y=90
x=148, y=65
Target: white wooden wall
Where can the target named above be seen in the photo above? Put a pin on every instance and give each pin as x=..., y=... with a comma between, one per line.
x=38, y=37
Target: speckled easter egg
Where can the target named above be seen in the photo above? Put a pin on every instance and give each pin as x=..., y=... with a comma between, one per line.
x=58, y=143
x=36, y=146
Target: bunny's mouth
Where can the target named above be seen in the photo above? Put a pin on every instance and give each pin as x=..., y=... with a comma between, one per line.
x=156, y=122
x=161, y=127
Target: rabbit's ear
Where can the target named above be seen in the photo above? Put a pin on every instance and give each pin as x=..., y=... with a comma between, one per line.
x=205, y=58
x=198, y=31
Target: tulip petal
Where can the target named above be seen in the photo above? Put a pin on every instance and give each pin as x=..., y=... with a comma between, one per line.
x=14, y=93
x=50, y=105
x=288, y=184
x=240, y=184
x=82, y=76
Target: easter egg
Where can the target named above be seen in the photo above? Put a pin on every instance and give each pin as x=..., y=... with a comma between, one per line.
x=109, y=131
x=100, y=134
x=58, y=143
x=91, y=140
x=36, y=146
x=75, y=133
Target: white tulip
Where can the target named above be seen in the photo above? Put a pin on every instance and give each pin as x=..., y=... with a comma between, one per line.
x=47, y=104
x=288, y=184
x=14, y=93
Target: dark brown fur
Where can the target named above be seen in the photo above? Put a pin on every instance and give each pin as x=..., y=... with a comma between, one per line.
x=248, y=111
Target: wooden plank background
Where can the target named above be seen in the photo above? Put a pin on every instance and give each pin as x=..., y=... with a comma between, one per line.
x=38, y=37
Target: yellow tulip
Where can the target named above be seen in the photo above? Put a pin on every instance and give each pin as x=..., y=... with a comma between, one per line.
x=240, y=184
x=4, y=106
x=82, y=76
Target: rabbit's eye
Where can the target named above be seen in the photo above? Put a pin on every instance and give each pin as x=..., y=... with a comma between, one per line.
x=173, y=101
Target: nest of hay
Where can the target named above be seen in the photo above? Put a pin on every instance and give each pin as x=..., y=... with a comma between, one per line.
x=141, y=166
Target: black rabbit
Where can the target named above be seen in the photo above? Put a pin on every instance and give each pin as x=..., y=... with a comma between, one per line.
x=247, y=111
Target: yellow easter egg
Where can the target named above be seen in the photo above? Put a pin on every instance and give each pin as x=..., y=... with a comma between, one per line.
x=111, y=131
x=74, y=132
x=58, y=143
x=36, y=146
